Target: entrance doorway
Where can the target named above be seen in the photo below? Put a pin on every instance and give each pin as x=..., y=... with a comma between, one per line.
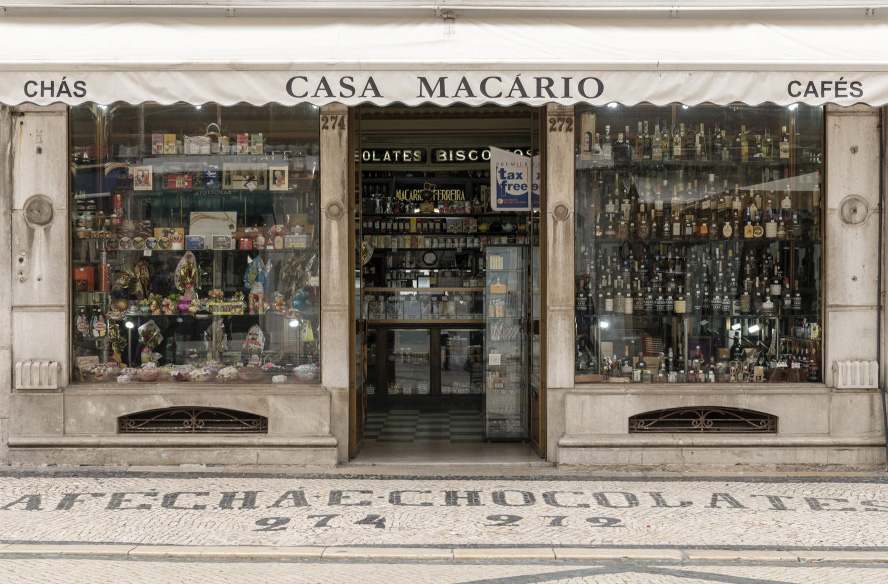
x=447, y=280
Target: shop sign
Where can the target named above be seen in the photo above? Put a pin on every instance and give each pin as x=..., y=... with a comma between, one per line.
x=416, y=192
x=445, y=87
x=393, y=155
x=460, y=155
x=457, y=155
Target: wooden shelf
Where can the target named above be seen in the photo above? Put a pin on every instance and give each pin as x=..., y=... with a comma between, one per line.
x=432, y=290
x=427, y=321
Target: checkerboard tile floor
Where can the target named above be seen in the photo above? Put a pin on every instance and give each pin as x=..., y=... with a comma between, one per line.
x=417, y=425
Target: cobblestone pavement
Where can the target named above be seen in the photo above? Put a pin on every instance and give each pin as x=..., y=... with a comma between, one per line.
x=544, y=527
x=98, y=571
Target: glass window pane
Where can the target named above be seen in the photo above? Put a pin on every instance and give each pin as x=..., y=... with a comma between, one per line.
x=195, y=243
x=698, y=244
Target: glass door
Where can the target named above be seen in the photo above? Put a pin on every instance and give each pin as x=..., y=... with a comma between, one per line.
x=359, y=386
x=506, y=374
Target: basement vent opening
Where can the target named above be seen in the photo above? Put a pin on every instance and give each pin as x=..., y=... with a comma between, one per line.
x=192, y=420
x=704, y=420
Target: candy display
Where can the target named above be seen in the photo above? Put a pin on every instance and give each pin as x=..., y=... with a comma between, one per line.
x=180, y=237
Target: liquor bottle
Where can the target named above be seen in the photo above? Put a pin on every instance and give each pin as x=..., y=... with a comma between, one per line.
x=633, y=198
x=748, y=229
x=745, y=299
x=650, y=305
x=639, y=143
x=640, y=303
x=644, y=226
x=783, y=145
x=742, y=145
x=626, y=362
x=770, y=217
x=608, y=298
x=768, y=146
x=676, y=213
x=630, y=148
x=646, y=144
x=688, y=143
x=786, y=202
x=716, y=144
x=736, y=348
x=700, y=145
x=759, y=152
x=677, y=139
x=797, y=299
x=680, y=304
x=607, y=148
x=813, y=365
x=666, y=143
x=622, y=195
x=596, y=147
x=628, y=301
x=621, y=151
x=657, y=143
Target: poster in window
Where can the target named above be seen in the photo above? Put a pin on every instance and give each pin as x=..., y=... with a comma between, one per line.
x=143, y=178
x=511, y=180
x=279, y=178
x=250, y=177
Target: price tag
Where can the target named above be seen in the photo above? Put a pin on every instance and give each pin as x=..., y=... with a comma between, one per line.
x=147, y=253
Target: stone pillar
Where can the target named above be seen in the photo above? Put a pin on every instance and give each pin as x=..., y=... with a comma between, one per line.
x=851, y=251
x=336, y=273
x=559, y=260
x=6, y=132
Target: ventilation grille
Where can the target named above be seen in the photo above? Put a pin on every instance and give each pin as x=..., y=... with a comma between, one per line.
x=704, y=420
x=191, y=420
x=37, y=375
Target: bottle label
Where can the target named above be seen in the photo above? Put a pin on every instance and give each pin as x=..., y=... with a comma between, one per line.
x=771, y=229
x=757, y=231
x=727, y=231
x=748, y=231
x=681, y=306
x=784, y=150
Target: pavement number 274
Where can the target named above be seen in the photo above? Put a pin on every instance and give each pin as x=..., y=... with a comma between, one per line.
x=280, y=523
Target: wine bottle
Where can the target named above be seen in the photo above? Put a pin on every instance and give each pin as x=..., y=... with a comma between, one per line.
x=783, y=145
x=657, y=143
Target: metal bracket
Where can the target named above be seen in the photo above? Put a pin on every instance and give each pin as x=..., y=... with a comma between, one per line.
x=673, y=12
x=869, y=12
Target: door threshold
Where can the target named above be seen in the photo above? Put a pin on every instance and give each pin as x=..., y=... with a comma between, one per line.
x=442, y=453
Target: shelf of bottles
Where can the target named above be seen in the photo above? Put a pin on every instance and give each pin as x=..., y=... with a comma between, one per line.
x=698, y=244
x=194, y=252
x=506, y=343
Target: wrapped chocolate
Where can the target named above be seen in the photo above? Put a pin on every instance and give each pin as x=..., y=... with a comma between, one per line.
x=187, y=272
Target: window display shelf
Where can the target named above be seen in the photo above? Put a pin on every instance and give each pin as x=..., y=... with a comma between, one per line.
x=201, y=244
x=698, y=241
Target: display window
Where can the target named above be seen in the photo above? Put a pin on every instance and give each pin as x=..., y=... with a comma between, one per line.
x=195, y=243
x=698, y=244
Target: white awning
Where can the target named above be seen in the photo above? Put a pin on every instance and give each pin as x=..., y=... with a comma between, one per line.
x=288, y=60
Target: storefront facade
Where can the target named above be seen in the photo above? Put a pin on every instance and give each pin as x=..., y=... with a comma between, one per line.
x=198, y=277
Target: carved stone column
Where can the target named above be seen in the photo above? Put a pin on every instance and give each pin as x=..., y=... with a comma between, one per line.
x=336, y=273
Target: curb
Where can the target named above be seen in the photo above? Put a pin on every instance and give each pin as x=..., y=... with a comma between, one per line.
x=122, y=552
